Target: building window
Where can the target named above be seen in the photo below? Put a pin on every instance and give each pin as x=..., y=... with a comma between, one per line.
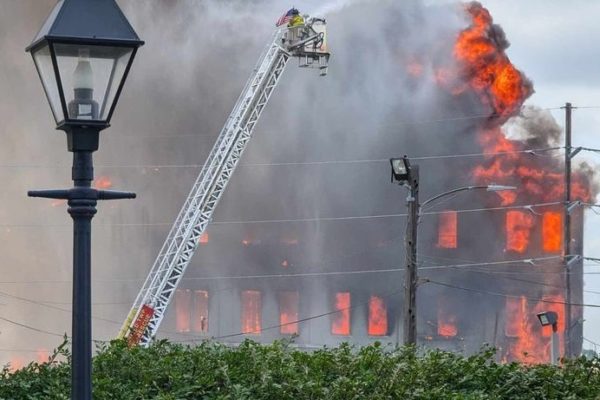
x=183, y=302
x=378, y=319
x=446, y=325
x=288, y=312
x=201, y=311
x=518, y=230
x=251, y=312
x=552, y=231
x=340, y=324
x=447, y=230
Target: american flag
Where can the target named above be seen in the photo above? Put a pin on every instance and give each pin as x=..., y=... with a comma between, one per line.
x=285, y=18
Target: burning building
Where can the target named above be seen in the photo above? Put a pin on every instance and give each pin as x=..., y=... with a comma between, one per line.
x=291, y=282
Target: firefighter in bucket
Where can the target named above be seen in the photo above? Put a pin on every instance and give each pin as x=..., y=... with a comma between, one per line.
x=292, y=17
x=296, y=19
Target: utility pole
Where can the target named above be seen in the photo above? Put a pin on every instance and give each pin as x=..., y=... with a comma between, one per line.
x=410, y=275
x=567, y=229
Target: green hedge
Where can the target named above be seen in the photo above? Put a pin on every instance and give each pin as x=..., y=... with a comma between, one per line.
x=279, y=372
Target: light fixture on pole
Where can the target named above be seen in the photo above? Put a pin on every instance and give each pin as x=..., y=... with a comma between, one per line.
x=551, y=318
x=400, y=169
x=404, y=173
x=83, y=54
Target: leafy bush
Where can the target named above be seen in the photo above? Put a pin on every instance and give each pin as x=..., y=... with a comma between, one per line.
x=211, y=370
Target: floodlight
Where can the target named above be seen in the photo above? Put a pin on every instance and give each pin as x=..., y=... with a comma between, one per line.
x=400, y=169
x=548, y=318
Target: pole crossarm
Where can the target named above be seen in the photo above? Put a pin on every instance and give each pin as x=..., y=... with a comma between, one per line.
x=81, y=193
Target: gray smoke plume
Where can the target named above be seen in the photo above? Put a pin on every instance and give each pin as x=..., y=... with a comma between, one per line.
x=380, y=100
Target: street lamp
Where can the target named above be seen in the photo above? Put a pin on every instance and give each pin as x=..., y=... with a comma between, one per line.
x=551, y=318
x=400, y=169
x=406, y=174
x=83, y=54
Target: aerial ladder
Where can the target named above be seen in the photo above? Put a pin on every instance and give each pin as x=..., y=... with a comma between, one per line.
x=306, y=42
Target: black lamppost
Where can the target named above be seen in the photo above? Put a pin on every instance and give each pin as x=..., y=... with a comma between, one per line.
x=83, y=53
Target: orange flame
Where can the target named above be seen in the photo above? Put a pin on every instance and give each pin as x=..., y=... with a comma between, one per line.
x=251, y=312
x=288, y=312
x=341, y=319
x=103, y=182
x=552, y=231
x=42, y=355
x=16, y=363
x=183, y=300
x=203, y=238
x=378, y=319
x=489, y=71
x=485, y=70
x=479, y=51
x=447, y=230
x=518, y=230
x=525, y=331
x=446, y=325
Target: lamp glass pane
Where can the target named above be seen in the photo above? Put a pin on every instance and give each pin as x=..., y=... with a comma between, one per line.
x=544, y=319
x=43, y=64
x=399, y=167
x=90, y=77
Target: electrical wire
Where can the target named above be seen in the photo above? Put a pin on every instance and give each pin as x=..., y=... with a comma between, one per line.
x=31, y=327
x=506, y=295
x=484, y=272
x=533, y=152
x=487, y=272
x=531, y=262
x=492, y=263
x=291, y=220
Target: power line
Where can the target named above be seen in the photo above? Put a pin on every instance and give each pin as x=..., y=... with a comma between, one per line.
x=53, y=307
x=321, y=273
x=487, y=272
x=32, y=328
x=316, y=219
x=529, y=261
x=20, y=350
x=533, y=152
x=506, y=295
x=493, y=263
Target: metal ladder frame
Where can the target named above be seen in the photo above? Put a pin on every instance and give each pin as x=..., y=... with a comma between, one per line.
x=196, y=213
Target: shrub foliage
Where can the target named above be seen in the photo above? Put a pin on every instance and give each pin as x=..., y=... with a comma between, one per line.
x=279, y=372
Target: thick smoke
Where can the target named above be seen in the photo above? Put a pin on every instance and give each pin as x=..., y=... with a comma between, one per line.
x=384, y=97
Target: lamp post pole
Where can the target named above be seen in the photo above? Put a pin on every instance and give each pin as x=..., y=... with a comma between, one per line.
x=82, y=200
x=554, y=351
x=567, y=230
x=410, y=275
